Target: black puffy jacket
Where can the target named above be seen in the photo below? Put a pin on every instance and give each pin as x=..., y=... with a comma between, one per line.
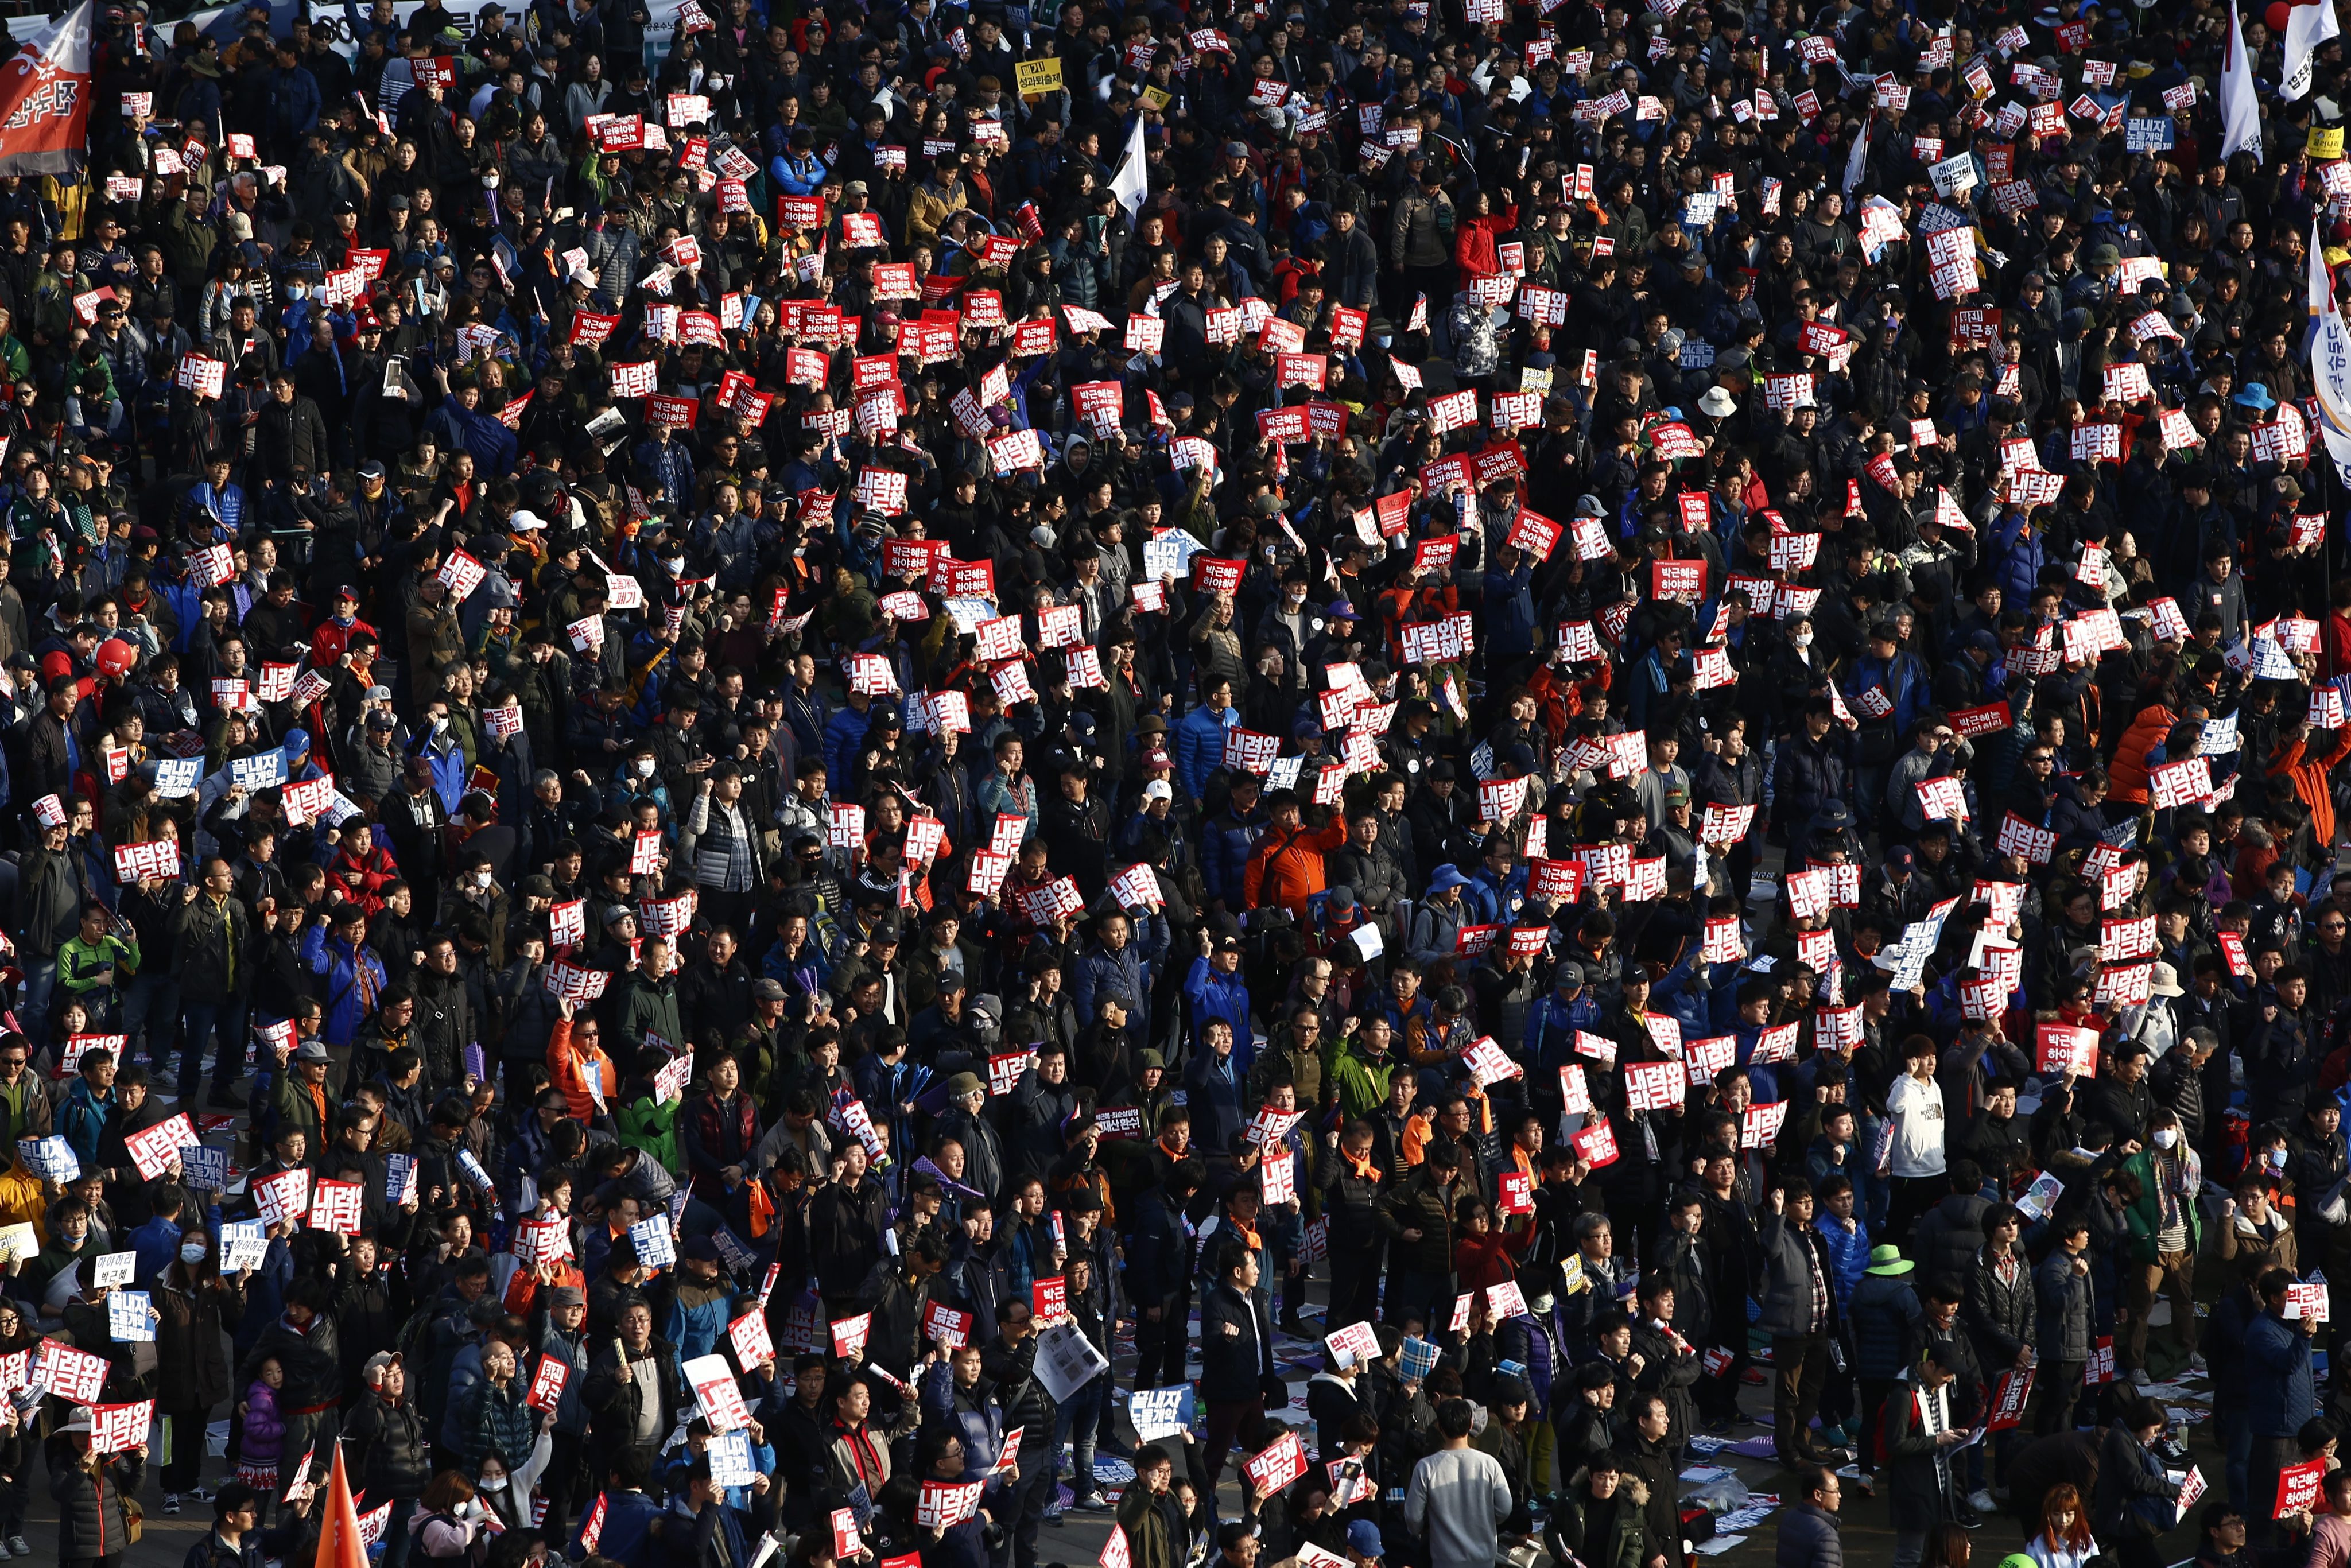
x=393, y=1460
x=90, y=1500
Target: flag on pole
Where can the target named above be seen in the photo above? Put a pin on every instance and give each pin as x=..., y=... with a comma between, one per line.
x=2240, y=114
x=1133, y=180
x=2329, y=352
x=2306, y=27
x=45, y=100
x=340, y=1543
x=1857, y=164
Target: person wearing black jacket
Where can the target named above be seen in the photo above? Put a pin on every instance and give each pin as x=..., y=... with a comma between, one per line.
x=1235, y=1353
x=618, y=1373
x=390, y=1458
x=1349, y=1187
x=290, y=438
x=235, y=1539
x=305, y=1344
x=802, y=1441
x=1158, y=1276
x=1010, y=1361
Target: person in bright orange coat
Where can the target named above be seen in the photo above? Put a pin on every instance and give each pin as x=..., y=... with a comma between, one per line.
x=2306, y=759
x=1287, y=869
x=572, y=1056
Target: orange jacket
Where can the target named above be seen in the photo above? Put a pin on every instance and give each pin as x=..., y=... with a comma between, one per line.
x=2308, y=771
x=1287, y=869
x=2126, y=775
x=569, y=1067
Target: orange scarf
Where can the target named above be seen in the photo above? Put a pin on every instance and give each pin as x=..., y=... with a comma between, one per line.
x=1364, y=1169
x=1248, y=1236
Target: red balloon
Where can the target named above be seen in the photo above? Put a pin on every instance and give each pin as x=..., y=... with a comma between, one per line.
x=115, y=657
x=2277, y=14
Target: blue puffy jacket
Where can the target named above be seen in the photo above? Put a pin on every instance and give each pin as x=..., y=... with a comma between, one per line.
x=1217, y=996
x=1886, y=1317
x=843, y=733
x=1200, y=745
x=1226, y=842
x=2016, y=558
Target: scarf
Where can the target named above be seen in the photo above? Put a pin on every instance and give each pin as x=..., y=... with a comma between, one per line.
x=863, y=1455
x=1365, y=1168
x=1245, y=1234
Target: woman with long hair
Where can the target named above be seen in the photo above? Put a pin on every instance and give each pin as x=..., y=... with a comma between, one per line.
x=2064, y=1541
x=193, y=1299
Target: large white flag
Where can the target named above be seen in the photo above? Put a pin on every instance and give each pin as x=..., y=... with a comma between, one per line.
x=2330, y=361
x=1133, y=180
x=2306, y=27
x=1858, y=164
x=2240, y=114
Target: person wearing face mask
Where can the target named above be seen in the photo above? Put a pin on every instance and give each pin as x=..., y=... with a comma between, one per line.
x=2166, y=1225
x=503, y=1493
x=193, y=1299
x=447, y=1519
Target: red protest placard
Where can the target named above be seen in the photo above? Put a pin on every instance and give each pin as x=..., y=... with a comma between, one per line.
x=2008, y=1403
x=2298, y=1487
x=1277, y=1465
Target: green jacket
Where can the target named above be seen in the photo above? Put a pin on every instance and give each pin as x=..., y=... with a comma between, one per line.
x=1626, y=1545
x=1360, y=1085
x=651, y=1126
x=650, y=1007
x=2145, y=1217
x=80, y=963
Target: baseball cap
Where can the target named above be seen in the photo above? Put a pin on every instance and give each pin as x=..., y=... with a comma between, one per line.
x=1364, y=1539
x=1157, y=790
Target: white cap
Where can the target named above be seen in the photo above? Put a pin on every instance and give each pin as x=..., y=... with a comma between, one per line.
x=1157, y=790
x=525, y=521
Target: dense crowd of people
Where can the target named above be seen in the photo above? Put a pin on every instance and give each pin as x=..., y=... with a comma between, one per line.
x=783, y=779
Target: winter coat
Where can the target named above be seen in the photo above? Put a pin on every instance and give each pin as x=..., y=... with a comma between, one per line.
x=1790, y=1254
x=1232, y=1365
x=90, y=1505
x=1886, y=1316
x=2280, y=1393
x=1809, y=1539
x=1200, y=745
x=393, y=1461
x=2000, y=1315
x=191, y=1371
x=500, y=1419
x=2062, y=1296
x=614, y=1400
x=1918, y=1488
x=2133, y=1491
x=1625, y=1545
x=211, y=938
x=264, y=1428
x=1949, y=1237
x=1421, y=1203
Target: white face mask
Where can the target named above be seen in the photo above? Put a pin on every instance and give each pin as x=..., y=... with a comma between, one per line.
x=494, y=1483
x=2164, y=1137
x=1802, y=639
x=644, y=767
x=192, y=1253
